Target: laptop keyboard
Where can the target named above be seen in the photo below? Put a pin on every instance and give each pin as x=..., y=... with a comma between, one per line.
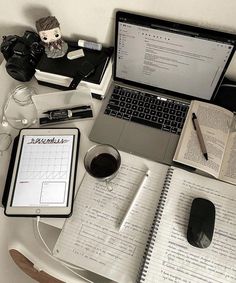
x=147, y=109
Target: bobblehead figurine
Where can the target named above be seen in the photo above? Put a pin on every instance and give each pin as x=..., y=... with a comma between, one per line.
x=50, y=34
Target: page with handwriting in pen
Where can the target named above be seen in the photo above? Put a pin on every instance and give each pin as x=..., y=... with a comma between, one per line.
x=173, y=258
x=91, y=238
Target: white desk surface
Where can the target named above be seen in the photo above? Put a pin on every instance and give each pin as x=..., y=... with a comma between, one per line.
x=7, y=84
x=21, y=231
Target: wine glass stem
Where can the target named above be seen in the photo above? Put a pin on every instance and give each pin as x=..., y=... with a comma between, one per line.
x=109, y=187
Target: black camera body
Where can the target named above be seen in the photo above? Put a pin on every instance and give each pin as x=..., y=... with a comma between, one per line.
x=22, y=54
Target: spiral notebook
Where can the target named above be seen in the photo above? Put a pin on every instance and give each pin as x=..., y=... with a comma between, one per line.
x=152, y=246
x=168, y=256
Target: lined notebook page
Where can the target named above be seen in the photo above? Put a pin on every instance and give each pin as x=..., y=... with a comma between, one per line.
x=173, y=259
x=90, y=237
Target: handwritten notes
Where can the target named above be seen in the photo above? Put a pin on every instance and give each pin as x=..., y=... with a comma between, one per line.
x=91, y=237
x=173, y=258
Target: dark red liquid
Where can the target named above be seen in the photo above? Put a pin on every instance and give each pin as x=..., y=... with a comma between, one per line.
x=103, y=165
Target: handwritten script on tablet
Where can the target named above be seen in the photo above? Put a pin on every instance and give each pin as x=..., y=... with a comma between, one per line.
x=44, y=171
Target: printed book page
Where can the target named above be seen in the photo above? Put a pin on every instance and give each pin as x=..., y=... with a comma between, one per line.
x=228, y=168
x=215, y=123
x=91, y=238
x=173, y=259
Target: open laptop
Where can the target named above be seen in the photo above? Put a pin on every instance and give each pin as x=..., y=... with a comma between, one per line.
x=159, y=67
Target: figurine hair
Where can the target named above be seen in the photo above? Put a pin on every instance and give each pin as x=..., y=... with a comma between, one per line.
x=47, y=23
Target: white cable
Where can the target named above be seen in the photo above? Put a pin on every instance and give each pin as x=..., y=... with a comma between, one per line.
x=66, y=265
x=40, y=236
x=48, y=249
x=27, y=101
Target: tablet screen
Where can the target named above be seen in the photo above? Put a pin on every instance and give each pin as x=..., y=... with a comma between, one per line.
x=43, y=173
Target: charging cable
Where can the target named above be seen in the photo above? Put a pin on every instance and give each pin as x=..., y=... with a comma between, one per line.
x=50, y=253
x=5, y=142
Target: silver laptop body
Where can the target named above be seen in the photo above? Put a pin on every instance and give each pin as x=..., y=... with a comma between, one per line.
x=169, y=60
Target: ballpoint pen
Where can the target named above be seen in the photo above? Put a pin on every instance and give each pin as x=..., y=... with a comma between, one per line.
x=75, y=115
x=199, y=135
x=57, y=114
x=72, y=109
x=134, y=200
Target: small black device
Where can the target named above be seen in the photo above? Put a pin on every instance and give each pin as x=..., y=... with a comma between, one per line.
x=22, y=54
x=201, y=223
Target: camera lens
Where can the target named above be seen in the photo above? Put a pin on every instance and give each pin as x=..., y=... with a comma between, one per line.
x=20, y=68
x=22, y=55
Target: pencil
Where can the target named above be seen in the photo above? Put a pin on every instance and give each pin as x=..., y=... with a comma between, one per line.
x=121, y=224
x=199, y=135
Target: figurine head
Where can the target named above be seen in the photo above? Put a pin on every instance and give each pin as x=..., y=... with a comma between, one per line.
x=50, y=34
x=48, y=29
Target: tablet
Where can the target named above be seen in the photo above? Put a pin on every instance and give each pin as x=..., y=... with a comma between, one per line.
x=43, y=177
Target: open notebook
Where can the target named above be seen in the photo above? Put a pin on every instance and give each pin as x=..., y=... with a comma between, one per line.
x=152, y=246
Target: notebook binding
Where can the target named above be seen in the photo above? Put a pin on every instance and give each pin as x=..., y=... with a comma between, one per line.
x=154, y=227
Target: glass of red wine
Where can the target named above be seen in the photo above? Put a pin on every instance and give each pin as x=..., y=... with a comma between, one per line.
x=102, y=162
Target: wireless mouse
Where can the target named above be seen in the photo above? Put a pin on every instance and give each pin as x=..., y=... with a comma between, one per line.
x=201, y=223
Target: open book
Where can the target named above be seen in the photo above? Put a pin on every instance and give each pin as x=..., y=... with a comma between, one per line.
x=219, y=133
x=152, y=246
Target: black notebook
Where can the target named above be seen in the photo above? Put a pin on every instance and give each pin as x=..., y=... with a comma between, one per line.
x=64, y=67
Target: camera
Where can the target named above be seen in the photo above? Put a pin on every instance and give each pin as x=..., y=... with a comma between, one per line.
x=22, y=54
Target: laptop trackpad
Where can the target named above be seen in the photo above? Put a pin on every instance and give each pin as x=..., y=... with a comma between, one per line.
x=148, y=142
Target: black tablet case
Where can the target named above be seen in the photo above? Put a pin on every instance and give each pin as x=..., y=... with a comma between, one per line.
x=11, y=166
x=10, y=171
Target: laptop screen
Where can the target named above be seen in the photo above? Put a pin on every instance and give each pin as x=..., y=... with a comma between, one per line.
x=171, y=57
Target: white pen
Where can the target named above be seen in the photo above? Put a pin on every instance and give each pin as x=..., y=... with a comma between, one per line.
x=134, y=199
